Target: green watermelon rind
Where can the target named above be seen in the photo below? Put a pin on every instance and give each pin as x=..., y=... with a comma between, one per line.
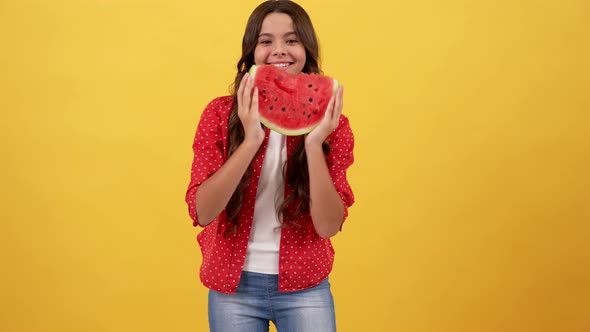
x=285, y=131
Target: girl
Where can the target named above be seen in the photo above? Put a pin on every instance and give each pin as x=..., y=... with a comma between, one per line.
x=269, y=203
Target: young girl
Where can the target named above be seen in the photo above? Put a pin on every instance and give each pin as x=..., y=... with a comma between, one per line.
x=269, y=203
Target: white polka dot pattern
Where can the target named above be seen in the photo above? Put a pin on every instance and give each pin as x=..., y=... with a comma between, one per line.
x=305, y=259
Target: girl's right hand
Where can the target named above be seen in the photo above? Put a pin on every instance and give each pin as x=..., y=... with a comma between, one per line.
x=248, y=111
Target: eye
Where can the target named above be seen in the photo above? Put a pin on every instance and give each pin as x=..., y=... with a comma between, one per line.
x=264, y=42
x=292, y=41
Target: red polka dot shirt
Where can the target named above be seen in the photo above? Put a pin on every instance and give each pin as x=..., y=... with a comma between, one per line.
x=305, y=259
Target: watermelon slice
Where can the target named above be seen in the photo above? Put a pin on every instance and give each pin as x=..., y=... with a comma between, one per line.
x=291, y=104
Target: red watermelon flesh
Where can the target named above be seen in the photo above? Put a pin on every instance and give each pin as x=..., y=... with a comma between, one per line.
x=291, y=104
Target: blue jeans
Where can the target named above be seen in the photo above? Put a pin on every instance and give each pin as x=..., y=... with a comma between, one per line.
x=257, y=301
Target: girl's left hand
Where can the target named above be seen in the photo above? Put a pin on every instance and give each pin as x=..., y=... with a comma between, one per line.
x=330, y=121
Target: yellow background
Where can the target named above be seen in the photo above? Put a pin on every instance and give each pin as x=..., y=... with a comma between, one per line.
x=471, y=173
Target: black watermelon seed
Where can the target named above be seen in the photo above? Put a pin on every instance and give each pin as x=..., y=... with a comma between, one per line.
x=282, y=109
x=276, y=99
x=310, y=99
x=270, y=108
x=263, y=91
x=309, y=116
x=309, y=85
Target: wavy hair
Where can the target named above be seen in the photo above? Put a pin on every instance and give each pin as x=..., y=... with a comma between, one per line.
x=296, y=172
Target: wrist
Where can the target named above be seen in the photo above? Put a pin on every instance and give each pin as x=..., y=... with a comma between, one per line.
x=250, y=145
x=311, y=145
x=254, y=139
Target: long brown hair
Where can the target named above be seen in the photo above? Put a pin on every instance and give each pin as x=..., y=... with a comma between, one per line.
x=296, y=172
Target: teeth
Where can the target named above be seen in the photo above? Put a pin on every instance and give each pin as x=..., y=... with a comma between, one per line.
x=280, y=65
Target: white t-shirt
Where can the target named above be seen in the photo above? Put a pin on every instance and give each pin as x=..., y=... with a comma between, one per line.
x=262, y=254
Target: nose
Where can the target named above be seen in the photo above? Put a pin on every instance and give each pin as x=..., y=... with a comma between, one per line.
x=279, y=49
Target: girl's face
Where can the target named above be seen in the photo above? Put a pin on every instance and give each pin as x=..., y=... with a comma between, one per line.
x=279, y=45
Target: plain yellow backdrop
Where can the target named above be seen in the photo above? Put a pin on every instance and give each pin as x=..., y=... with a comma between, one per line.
x=471, y=172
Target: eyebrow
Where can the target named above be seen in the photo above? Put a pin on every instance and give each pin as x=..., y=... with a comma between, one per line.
x=271, y=35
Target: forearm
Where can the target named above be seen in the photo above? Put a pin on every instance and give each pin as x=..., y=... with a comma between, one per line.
x=214, y=194
x=326, y=208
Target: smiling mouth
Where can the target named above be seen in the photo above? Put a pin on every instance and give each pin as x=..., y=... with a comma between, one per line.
x=282, y=65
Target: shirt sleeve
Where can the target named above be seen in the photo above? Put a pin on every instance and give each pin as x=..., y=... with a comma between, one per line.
x=339, y=159
x=209, y=148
